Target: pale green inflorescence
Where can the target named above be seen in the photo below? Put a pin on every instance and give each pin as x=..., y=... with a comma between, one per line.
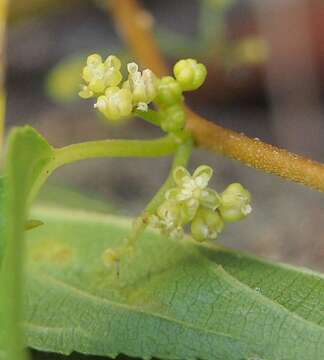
x=192, y=201
x=116, y=103
x=118, y=99
x=143, y=86
x=99, y=75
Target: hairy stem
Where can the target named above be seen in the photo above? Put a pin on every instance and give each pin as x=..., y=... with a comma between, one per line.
x=106, y=148
x=209, y=135
x=256, y=153
x=134, y=22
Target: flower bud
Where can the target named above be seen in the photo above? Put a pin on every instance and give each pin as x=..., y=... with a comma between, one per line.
x=189, y=74
x=173, y=118
x=169, y=92
x=235, y=203
x=206, y=225
x=113, y=62
x=115, y=104
x=99, y=75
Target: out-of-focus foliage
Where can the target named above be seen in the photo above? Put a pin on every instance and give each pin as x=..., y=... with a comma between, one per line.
x=63, y=82
x=20, y=9
x=73, y=199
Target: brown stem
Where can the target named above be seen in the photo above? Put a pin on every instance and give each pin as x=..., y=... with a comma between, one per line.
x=209, y=135
x=134, y=22
x=256, y=153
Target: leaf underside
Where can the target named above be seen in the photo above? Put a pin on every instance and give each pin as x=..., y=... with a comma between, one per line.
x=173, y=299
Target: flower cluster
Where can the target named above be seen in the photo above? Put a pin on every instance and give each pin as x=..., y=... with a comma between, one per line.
x=192, y=201
x=118, y=98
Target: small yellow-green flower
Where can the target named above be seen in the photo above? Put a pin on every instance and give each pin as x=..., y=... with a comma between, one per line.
x=235, y=203
x=206, y=225
x=168, y=219
x=192, y=189
x=143, y=85
x=191, y=201
x=116, y=104
x=99, y=75
x=190, y=74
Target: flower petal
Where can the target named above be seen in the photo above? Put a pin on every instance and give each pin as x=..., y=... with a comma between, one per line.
x=172, y=194
x=188, y=210
x=202, y=175
x=180, y=174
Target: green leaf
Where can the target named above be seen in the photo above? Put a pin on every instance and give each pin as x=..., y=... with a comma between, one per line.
x=74, y=198
x=173, y=299
x=2, y=218
x=28, y=154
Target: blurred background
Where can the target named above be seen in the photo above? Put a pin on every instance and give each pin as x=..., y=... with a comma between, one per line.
x=265, y=64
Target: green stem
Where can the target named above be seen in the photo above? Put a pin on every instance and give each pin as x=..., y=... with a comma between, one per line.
x=12, y=287
x=151, y=116
x=105, y=148
x=181, y=158
x=12, y=275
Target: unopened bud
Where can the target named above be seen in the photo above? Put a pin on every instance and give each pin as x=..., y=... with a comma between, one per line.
x=190, y=74
x=235, y=203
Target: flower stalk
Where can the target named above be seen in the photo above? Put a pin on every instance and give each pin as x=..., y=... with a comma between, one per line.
x=164, y=146
x=181, y=158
